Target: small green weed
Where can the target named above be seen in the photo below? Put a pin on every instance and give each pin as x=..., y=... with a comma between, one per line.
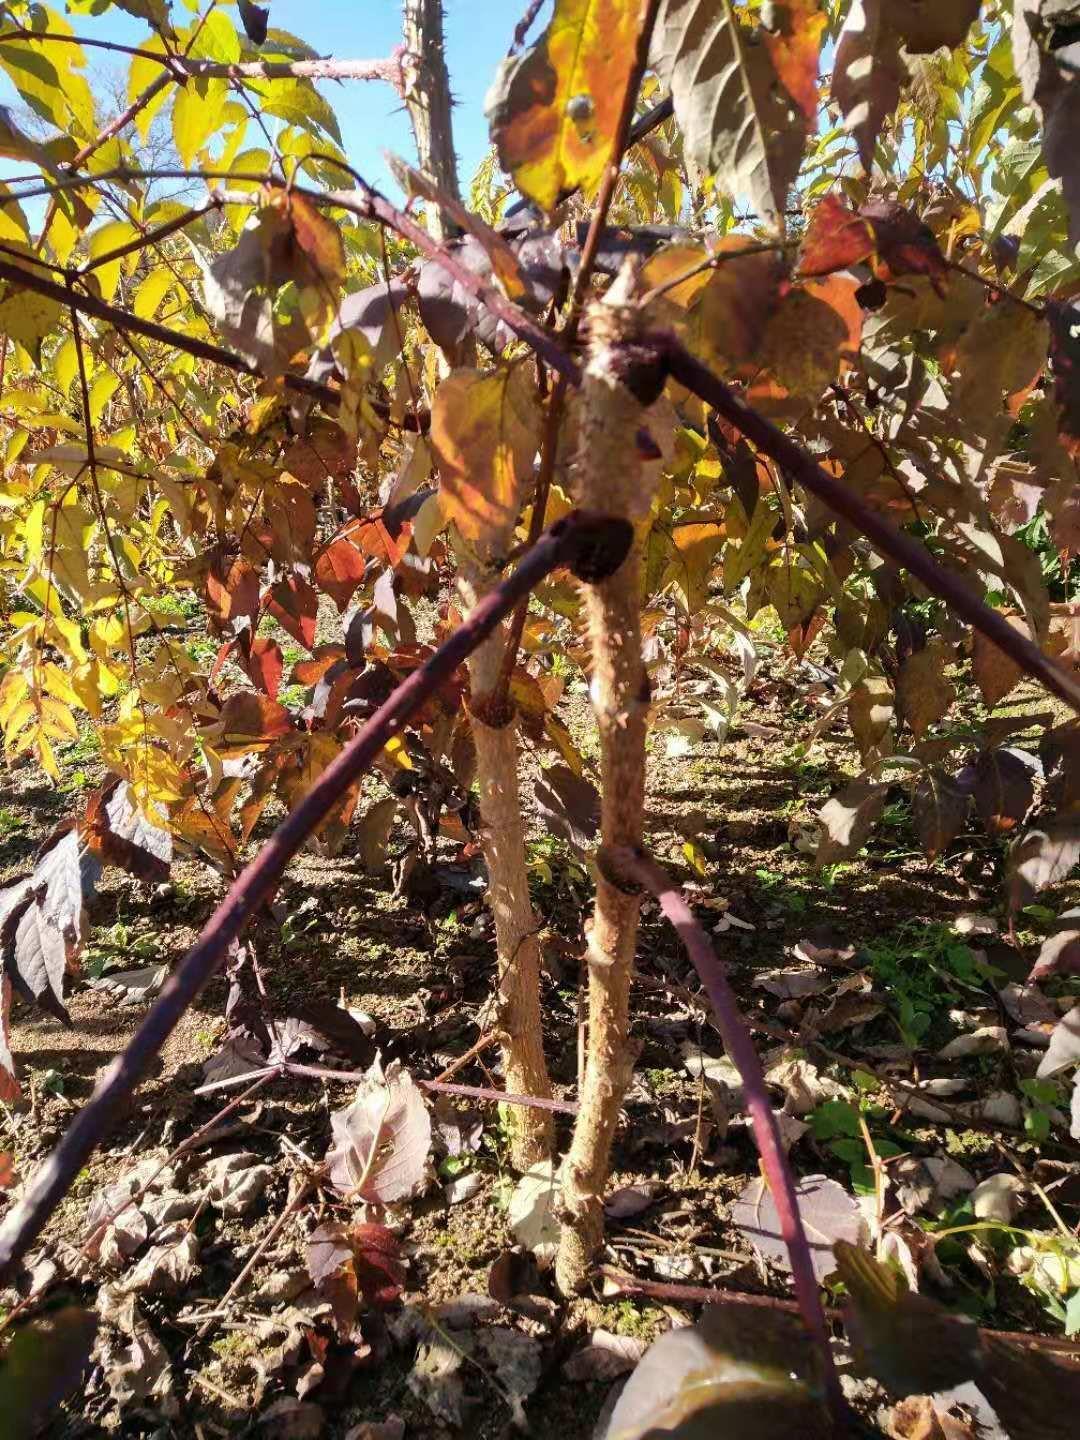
x=10, y=823
x=923, y=970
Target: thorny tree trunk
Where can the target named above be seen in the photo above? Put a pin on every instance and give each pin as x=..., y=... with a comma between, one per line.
x=518, y=1002
x=495, y=736
x=612, y=475
x=427, y=96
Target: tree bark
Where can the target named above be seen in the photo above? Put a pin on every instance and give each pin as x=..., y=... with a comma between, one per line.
x=427, y=97
x=517, y=948
x=610, y=469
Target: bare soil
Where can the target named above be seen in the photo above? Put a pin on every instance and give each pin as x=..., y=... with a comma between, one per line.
x=424, y=977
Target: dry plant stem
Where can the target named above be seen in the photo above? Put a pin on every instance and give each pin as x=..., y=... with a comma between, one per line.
x=495, y=734
x=609, y=463
x=716, y=1295
x=260, y=1250
x=740, y=1047
x=427, y=98
x=494, y=729
x=568, y=543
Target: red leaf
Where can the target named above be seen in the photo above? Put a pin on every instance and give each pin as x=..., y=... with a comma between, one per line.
x=7, y=1172
x=904, y=245
x=265, y=665
x=835, y=238
x=380, y=1269
x=339, y=570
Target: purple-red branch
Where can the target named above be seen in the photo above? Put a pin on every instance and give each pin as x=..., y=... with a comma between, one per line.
x=644, y=871
x=884, y=536
x=579, y=540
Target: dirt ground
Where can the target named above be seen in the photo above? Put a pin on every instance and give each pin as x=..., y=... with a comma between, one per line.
x=423, y=978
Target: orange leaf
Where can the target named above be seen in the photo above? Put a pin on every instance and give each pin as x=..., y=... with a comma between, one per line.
x=250, y=722
x=793, y=40
x=339, y=570
x=835, y=238
x=264, y=664
x=295, y=606
x=232, y=589
x=317, y=237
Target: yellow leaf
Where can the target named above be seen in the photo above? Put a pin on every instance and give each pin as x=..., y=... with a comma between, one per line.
x=58, y=684
x=484, y=432
x=396, y=751
x=555, y=108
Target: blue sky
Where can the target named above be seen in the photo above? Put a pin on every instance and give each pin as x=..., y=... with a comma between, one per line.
x=479, y=33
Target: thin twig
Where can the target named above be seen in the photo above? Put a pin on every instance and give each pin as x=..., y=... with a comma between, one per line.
x=644, y=871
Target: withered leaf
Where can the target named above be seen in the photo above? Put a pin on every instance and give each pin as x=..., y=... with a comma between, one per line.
x=737, y=120
x=381, y=1141
x=848, y=818
x=1004, y=787
x=996, y=673
x=923, y=691
x=941, y=808
x=828, y=1214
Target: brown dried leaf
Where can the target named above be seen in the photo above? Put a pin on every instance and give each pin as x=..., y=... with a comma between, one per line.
x=996, y=673
x=1004, y=788
x=941, y=808
x=923, y=691
x=381, y=1141
x=848, y=818
x=737, y=121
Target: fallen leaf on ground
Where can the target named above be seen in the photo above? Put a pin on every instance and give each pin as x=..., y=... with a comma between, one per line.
x=986, y=1040
x=382, y=1140
x=236, y=1181
x=828, y=1214
x=291, y=1419
x=435, y=1376
x=604, y=1357
x=631, y=1200
x=533, y=1212
x=998, y=1197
